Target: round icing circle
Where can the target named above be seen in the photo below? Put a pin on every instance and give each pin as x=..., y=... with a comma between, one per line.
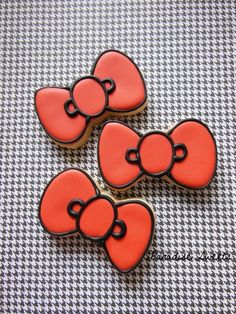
x=90, y=96
x=156, y=153
x=96, y=220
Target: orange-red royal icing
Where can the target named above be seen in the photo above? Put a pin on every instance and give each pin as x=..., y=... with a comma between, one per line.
x=124, y=229
x=115, y=85
x=187, y=154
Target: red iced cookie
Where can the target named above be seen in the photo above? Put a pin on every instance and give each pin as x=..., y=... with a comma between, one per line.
x=115, y=86
x=71, y=203
x=186, y=154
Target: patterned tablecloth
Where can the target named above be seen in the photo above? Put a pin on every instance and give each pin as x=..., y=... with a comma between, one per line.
x=185, y=52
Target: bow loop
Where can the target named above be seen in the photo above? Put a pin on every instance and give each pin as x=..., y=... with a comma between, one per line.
x=180, y=152
x=71, y=203
x=115, y=85
x=109, y=85
x=186, y=154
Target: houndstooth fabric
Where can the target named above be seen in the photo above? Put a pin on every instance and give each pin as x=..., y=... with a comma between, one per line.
x=186, y=54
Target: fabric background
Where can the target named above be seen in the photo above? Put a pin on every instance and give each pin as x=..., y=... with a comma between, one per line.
x=185, y=51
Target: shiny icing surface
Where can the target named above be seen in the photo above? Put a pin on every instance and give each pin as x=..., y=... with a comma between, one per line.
x=64, y=188
x=98, y=217
x=116, y=85
x=198, y=168
x=127, y=251
x=160, y=148
x=130, y=88
x=71, y=203
x=114, y=141
x=186, y=154
x=89, y=96
x=49, y=103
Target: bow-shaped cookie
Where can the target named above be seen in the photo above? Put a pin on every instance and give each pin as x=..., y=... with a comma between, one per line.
x=186, y=154
x=115, y=87
x=71, y=203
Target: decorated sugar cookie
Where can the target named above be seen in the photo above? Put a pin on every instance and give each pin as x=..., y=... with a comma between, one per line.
x=72, y=203
x=115, y=87
x=186, y=154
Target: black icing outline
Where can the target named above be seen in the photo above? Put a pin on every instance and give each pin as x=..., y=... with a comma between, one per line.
x=131, y=60
x=106, y=93
x=50, y=135
x=136, y=201
x=109, y=231
x=216, y=155
x=107, y=108
x=138, y=162
x=97, y=193
x=124, y=186
x=159, y=174
x=116, y=220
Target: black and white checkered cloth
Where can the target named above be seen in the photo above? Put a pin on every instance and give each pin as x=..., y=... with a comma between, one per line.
x=186, y=54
